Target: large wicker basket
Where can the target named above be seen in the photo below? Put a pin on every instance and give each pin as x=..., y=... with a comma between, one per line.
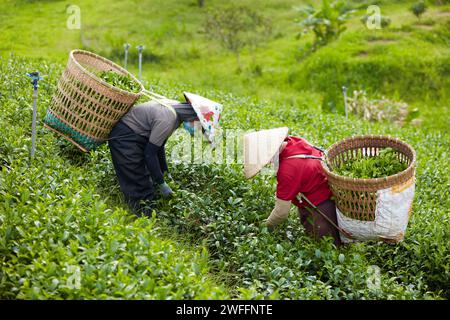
x=84, y=108
x=359, y=199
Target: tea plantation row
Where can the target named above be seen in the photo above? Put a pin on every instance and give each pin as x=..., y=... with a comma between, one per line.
x=58, y=236
x=64, y=232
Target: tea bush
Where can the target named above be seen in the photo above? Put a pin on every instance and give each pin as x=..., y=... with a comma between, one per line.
x=60, y=237
x=62, y=217
x=226, y=210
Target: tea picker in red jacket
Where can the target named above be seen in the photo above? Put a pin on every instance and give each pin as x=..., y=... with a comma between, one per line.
x=137, y=144
x=299, y=174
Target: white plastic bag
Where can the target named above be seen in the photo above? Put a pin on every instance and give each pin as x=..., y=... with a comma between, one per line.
x=392, y=212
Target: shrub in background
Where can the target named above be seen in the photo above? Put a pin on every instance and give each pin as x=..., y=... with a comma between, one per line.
x=327, y=23
x=377, y=109
x=384, y=20
x=418, y=9
x=237, y=27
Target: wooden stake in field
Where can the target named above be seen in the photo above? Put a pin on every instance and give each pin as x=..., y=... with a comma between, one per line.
x=126, y=47
x=34, y=81
x=140, y=48
x=344, y=91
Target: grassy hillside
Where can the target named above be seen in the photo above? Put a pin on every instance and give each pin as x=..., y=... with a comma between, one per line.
x=407, y=61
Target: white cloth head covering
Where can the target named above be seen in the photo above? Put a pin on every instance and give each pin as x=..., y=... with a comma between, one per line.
x=208, y=113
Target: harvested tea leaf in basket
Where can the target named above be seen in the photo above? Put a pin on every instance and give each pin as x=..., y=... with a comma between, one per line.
x=120, y=81
x=386, y=163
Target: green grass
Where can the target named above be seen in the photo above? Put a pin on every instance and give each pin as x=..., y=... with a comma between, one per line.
x=405, y=61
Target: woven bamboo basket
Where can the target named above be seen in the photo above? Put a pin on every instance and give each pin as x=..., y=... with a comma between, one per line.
x=357, y=198
x=84, y=108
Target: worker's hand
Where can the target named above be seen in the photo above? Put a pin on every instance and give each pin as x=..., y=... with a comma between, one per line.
x=270, y=228
x=266, y=226
x=165, y=190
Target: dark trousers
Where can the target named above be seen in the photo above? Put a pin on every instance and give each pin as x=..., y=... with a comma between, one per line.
x=127, y=152
x=316, y=225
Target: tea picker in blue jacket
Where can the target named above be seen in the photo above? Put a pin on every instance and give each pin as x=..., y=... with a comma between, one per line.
x=137, y=144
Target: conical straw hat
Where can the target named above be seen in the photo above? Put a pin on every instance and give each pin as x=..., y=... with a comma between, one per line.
x=260, y=147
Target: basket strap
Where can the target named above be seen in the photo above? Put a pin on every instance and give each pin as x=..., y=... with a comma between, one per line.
x=304, y=156
x=320, y=149
x=308, y=156
x=160, y=99
x=346, y=233
x=317, y=148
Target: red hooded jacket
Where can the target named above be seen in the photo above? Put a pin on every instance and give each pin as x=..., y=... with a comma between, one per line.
x=301, y=175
